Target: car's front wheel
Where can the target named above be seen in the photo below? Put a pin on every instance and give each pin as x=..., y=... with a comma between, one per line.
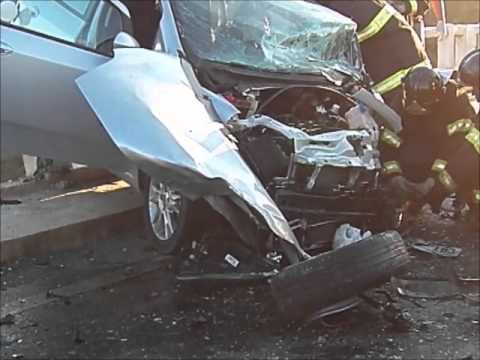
x=167, y=216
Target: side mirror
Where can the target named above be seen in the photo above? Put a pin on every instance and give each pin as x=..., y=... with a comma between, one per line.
x=26, y=15
x=124, y=40
x=8, y=11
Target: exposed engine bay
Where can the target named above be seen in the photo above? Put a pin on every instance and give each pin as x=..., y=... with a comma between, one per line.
x=315, y=151
x=318, y=160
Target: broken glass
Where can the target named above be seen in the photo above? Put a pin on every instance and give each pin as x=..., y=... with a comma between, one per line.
x=276, y=36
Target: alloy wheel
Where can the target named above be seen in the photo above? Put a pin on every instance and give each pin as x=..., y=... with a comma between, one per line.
x=165, y=206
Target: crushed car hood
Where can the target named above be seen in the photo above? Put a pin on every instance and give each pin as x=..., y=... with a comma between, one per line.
x=326, y=149
x=147, y=106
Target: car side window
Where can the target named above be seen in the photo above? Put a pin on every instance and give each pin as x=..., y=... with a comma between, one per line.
x=106, y=23
x=90, y=24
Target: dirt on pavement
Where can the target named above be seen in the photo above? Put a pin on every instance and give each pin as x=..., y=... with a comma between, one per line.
x=119, y=299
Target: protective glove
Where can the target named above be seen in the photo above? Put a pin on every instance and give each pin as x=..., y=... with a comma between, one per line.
x=436, y=196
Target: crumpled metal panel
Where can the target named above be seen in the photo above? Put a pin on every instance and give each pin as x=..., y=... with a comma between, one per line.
x=337, y=149
x=224, y=110
x=332, y=148
x=146, y=105
x=219, y=108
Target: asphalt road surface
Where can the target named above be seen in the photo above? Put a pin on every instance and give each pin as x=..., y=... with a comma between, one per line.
x=119, y=299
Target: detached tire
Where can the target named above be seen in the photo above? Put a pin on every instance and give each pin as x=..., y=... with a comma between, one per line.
x=168, y=217
x=301, y=289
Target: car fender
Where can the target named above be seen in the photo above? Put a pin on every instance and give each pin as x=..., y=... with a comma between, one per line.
x=147, y=106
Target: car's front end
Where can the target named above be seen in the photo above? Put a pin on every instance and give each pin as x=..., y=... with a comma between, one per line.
x=300, y=64
x=293, y=158
x=246, y=108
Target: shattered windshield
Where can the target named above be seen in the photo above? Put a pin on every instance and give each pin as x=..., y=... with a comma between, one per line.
x=280, y=36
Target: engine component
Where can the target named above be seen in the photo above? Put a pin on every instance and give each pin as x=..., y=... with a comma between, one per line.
x=345, y=148
x=319, y=162
x=387, y=115
x=313, y=110
x=264, y=155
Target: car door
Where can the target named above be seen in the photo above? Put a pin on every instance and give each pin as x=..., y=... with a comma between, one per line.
x=43, y=50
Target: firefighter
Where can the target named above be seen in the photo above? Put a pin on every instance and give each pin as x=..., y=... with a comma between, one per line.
x=390, y=46
x=469, y=72
x=436, y=154
x=411, y=8
x=461, y=162
x=414, y=12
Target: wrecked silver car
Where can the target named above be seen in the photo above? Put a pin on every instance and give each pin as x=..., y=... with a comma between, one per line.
x=254, y=112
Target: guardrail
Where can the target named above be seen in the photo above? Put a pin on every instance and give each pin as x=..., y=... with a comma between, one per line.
x=455, y=44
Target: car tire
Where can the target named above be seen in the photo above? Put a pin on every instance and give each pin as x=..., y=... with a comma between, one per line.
x=304, y=288
x=168, y=217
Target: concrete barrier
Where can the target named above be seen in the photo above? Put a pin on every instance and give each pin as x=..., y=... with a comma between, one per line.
x=453, y=45
x=46, y=220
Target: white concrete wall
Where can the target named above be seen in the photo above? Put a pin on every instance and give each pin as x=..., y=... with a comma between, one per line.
x=455, y=44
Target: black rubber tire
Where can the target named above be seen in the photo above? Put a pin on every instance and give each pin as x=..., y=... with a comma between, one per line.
x=180, y=236
x=301, y=289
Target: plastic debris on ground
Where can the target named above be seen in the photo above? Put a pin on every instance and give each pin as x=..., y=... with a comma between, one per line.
x=438, y=250
x=425, y=289
x=347, y=235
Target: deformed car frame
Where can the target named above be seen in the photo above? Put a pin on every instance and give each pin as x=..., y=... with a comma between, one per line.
x=280, y=149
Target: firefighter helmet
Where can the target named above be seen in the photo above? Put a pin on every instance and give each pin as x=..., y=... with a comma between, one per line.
x=423, y=88
x=469, y=70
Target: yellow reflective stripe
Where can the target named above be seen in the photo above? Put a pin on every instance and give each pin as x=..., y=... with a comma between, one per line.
x=395, y=80
x=377, y=24
x=473, y=137
x=413, y=7
x=462, y=125
x=390, y=138
x=439, y=165
x=476, y=196
x=466, y=126
x=392, y=167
